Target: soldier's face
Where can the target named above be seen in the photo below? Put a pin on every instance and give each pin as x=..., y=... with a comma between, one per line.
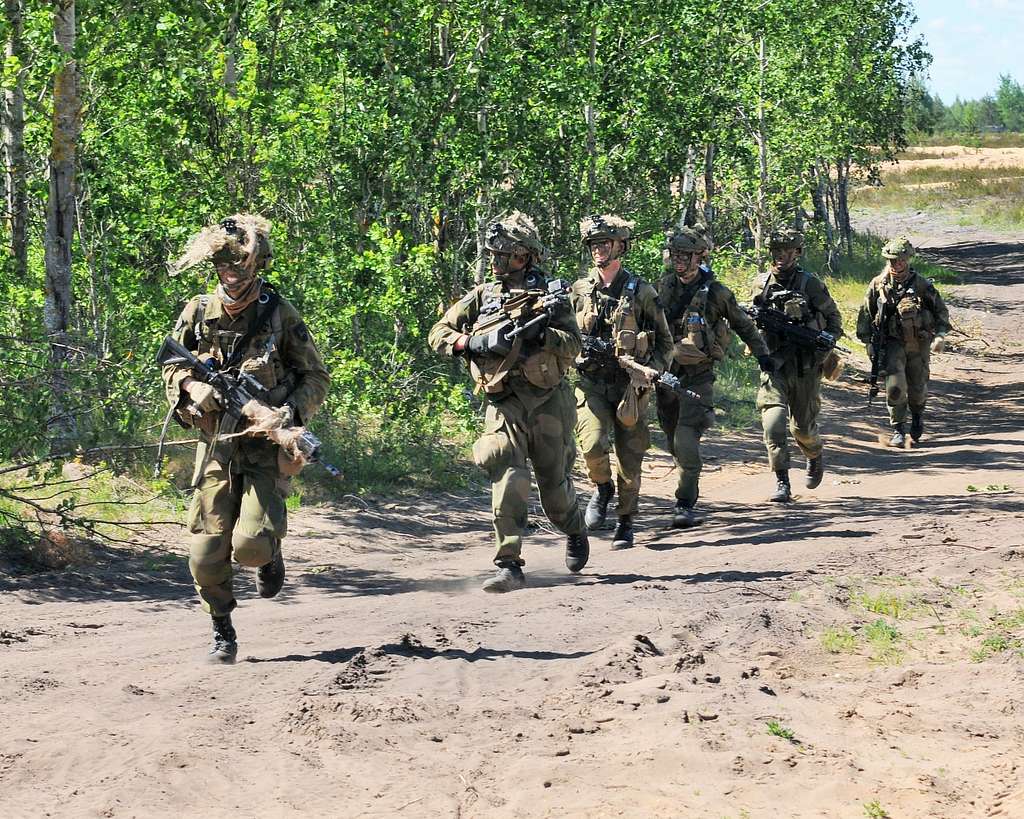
x=504, y=265
x=784, y=258
x=233, y=277
x=899, y=268
x=605, y=251
x=686, y=265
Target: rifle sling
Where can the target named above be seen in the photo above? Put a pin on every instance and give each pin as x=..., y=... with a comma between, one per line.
x=262, y=317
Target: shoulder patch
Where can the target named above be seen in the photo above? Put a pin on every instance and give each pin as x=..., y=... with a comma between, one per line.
x=300, y=331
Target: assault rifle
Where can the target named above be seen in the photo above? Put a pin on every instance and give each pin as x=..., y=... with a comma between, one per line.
x=235, y=392
x=879, y=341
x=775, y=321
x=600, y=353
x=512, y=314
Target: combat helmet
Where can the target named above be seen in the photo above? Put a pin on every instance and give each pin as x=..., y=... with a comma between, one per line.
x=786, y=239
x=899, y=248
x=595, y=228
x=685, y=240
x=242, y=240
x=517, y=234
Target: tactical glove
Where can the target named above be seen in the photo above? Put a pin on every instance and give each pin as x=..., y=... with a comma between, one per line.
x=204, y=397
x=939, y=344
x=266, y=419
x=477, y=345
x=766, y=363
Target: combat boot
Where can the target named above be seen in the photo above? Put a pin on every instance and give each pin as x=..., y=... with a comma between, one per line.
x=782, y=492
x=815, y=472
x=509, y=577
x=899, y=437
x=623, y=538
x=683, y=517
x=270, y=576
x=225, y=645
x=597, y=508
x=577, y=552
x=916, y=426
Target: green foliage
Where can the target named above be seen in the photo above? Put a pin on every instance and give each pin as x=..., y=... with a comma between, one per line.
x=873, y=810
x=776, y=729
x=377, y=137
x=838, y=640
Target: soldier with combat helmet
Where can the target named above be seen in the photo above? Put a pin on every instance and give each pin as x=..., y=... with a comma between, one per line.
x=700, y=311
x=530, y=410
x=620, y=311
x=915, y=323
x=790, y=392
x=242, y=472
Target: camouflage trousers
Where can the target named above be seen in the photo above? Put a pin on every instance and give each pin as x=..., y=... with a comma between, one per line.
x=514, y=435
x=599, y=431
x=906, y=380
x=684, y=421
x=239, y=514
x=790, y=399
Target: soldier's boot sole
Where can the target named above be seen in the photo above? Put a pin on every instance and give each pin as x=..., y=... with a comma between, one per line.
x=815, y=472
x=683, y=518
x=506, y=580
x=577, y=552
x=270, y=578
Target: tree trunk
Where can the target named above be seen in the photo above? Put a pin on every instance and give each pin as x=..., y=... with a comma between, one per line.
x=760, y=225
x=709, y=189
x=483, y=203
x=843, y=204
x=590, y=115
x=60, y=217
x=14, y=141
x=688, y=189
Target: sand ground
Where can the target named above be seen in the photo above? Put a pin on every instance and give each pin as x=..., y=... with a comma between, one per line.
x=383, y=682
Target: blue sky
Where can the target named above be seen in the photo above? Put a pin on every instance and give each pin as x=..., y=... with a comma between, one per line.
x=972, y=42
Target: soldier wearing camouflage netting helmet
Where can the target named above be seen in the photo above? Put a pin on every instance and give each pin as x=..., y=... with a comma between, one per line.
x=915, y=325
x=701, y=312
x=790, y=392
x=519, y=336
x=242, y=472
x=620, y=312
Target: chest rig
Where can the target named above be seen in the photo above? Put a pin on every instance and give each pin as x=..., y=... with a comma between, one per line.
x=255, y=350
x=612, y=315
x=909, y=318
x=698, y=340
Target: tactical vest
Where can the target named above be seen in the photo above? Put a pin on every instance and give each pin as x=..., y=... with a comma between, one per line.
x=912, y=322
x=542, y=368
x=793, y=302
x=696, y=343
x=622, y=325
x=262, y=356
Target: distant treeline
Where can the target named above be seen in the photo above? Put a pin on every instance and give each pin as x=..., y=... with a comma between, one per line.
x=1002, y=110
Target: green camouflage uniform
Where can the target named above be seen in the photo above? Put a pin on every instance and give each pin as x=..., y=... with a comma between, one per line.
x=700, y=315
x=238, y=508
x=523, y=421
x=920, y=315
x=600, y=391
x=792, y=394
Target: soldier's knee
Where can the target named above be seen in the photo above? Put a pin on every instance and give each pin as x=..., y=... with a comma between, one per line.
x=775, y=421
x=208, y=560
x=253, y=550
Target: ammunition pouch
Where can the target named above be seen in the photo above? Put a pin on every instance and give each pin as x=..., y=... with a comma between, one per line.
x=543, y=369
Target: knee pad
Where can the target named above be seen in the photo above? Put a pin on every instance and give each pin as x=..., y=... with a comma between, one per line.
x=207, y=560
x=253, y=550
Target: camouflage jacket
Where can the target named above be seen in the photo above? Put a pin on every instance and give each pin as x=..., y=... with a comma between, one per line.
x=560, y=343
x=916, y=301
x=610, y=312
x=819, y=311
x=281, y=355
x=705, y=310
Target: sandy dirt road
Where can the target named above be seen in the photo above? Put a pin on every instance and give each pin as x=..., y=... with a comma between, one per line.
x=382, y=682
